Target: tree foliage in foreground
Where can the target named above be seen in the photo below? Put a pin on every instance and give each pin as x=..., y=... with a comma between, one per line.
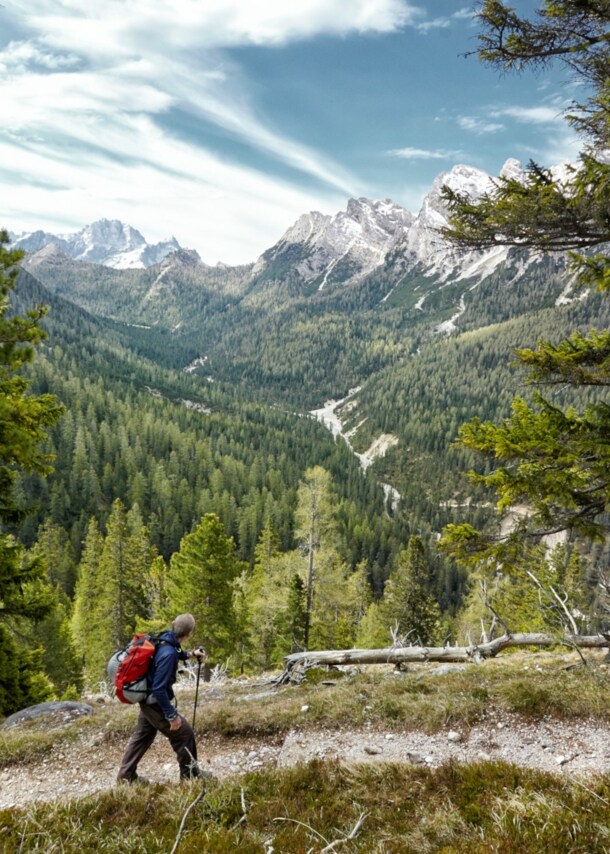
x=553, y=460
x=24, y=419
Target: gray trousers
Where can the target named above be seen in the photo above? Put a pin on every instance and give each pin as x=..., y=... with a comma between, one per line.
x=150, y=722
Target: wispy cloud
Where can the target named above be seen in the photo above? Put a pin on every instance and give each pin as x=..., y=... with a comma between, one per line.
x=479, y=126
x=119, y=27
x=409, y=153
x=445, y=21
x=86, y=88
x=540, y=115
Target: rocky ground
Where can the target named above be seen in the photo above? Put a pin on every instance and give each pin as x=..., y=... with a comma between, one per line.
x=72, y=770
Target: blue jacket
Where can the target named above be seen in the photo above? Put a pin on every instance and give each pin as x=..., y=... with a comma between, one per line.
x=162, y=673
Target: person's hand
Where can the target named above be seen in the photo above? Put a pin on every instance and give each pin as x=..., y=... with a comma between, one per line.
x=199, y=654
x=175, y=724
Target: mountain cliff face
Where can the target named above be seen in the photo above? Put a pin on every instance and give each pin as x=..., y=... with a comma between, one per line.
x=326, y=250
x=371, y=255
x=319, y=253
x=107, y=242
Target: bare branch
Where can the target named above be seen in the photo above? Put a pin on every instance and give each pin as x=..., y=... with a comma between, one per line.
x=352, y=835
x=469, y=653
x=496, y=616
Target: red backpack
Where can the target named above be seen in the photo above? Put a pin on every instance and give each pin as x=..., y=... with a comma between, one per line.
x=128, y=668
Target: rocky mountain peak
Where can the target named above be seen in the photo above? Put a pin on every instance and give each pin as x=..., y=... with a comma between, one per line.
x=182, y=258
x=109, y=242
x=337, y=249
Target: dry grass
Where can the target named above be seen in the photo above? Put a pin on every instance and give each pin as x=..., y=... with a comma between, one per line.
x=490, y=807
x=533, y=686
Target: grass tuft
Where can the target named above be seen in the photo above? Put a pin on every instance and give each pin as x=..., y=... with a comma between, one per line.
x=478, y=808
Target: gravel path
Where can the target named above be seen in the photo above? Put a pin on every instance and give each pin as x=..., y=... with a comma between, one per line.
x=576, y=749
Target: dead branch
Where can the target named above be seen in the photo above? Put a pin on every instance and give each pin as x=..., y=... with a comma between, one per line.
x=300, y=661
x=244, y=812
x=311, y=829
x=351, y=835
x=496, y=617
x=185, y=816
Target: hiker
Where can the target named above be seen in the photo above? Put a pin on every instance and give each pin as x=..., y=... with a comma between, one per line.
x=157, y=712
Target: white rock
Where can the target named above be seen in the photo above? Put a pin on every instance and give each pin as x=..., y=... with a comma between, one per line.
x=454, y=737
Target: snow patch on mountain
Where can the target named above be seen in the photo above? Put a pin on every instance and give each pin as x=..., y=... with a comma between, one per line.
x=426, y=247
x=342, y=247
x=108, y=242
x=328, y=416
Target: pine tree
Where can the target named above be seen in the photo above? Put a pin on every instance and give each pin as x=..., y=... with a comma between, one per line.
x=111, y=591
x=407, y=602
x=55, y=547
x=201, y=583
x=295, y=619
x=87, y=617
x=124, y=566
x=553, y=460
x=61, y=661
x=264, y=590
x=22, y=680
x=313, y=525
x=24, y=419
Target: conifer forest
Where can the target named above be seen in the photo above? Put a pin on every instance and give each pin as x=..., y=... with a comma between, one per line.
x=133, y=487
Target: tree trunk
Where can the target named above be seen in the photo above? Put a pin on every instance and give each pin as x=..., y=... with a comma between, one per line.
x=473, y=653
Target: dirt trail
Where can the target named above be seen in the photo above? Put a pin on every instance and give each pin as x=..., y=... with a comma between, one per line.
x=89, y=765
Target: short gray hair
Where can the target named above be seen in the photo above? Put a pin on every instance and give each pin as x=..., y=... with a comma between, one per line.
x=183, y=625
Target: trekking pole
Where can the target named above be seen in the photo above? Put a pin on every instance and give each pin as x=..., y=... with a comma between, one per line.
x=196, y=693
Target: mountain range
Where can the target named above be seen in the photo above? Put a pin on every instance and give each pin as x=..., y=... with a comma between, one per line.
x=370, y=307
x=319, y=248
x=391, y=255
x=107, y=242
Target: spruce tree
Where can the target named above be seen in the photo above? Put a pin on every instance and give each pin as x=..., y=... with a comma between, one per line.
x=24, y=420
x=551, y=458
x=201, y=583
x=407, y=602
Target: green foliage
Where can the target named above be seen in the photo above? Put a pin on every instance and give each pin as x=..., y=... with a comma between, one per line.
x=54, y=546
x=86, y=617
x=407, y=605
x=22, y=682
x=548, y=458
x=201, y=583
x=372, y=632
x=114, y=577
x=62, y=663
x=24, y=420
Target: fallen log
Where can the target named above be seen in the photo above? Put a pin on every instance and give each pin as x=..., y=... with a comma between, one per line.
x=399, y=655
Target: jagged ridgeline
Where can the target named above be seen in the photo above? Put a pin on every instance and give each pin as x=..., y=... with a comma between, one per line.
x=372, y=299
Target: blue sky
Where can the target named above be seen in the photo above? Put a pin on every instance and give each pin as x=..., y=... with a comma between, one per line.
x=221, y=121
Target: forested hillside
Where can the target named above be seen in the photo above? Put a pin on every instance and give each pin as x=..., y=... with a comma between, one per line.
x=187, y=458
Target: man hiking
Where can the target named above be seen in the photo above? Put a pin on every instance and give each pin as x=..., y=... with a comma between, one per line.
x=158, y=713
